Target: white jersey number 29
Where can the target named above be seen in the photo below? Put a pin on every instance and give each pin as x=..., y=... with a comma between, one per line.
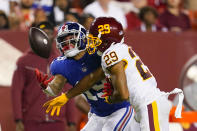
x=142, y=69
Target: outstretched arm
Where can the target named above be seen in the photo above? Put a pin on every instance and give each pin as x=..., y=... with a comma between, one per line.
x=86, y=83
x=50, y=85
x=57, y=84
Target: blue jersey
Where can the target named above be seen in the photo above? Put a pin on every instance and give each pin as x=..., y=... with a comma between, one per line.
x=74, y=70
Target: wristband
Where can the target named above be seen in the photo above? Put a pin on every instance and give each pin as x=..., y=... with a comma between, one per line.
x=49, y=91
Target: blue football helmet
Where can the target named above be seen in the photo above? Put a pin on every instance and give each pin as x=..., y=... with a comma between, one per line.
x=71, y=39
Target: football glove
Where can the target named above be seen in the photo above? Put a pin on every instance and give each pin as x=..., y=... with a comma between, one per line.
x=107, y=90
x=56, y=104
x=42, y=79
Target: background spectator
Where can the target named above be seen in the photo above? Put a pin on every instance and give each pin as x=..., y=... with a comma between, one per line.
x=4, y=6
x=28, y=97
x=46, y=5
x=106, y=8
x=60, y=8
x=132, y=17
x=160, y=5
x=86, y=20
x=83, y=3
x=12, y=4
x=148, y=16
x=126, y=6
x=39, y=16
x=21, y=14
x=15, y=16
x=123, y=0
x=191, y=6
x=4, y=22
x=173, y=18
x=72, y=17
x=27, y=13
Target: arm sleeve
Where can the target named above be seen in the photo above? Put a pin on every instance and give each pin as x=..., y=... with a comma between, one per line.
x=58, y=67
x=18, y=84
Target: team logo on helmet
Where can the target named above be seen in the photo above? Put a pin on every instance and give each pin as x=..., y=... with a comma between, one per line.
x=92, y=43
x=103, y=32
x=71, y=39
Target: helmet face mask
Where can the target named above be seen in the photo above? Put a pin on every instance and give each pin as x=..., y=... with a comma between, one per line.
x=67, y=42
x=104, y=32
x=71, y=39
x=92, y=43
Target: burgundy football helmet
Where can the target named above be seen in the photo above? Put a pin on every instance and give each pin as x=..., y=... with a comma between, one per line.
x=103, y=32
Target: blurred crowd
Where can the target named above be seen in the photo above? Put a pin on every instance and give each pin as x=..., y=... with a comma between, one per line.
x=141, y=15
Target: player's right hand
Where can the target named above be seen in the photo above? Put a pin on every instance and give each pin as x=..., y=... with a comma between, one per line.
x=107, y=89
x=56, y=104
x=42, y=79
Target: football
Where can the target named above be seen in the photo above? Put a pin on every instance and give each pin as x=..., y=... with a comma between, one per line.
x=39, y=42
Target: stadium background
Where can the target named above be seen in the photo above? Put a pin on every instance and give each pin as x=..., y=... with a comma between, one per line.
x=164, y=53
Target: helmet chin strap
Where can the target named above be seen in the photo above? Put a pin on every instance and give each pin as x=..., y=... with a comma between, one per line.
x=73, y=52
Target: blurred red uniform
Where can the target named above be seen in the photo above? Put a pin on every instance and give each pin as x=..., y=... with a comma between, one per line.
x=133, y=21
x=169, y=20
x=160, y=5
x=28, y=97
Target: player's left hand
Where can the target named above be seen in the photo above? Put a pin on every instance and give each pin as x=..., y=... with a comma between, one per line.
x=56, y=104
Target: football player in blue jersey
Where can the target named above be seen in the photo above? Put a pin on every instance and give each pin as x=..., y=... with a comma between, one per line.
x=74, y=64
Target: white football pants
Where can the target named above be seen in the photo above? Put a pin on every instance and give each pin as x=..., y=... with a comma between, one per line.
x=121, y=120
